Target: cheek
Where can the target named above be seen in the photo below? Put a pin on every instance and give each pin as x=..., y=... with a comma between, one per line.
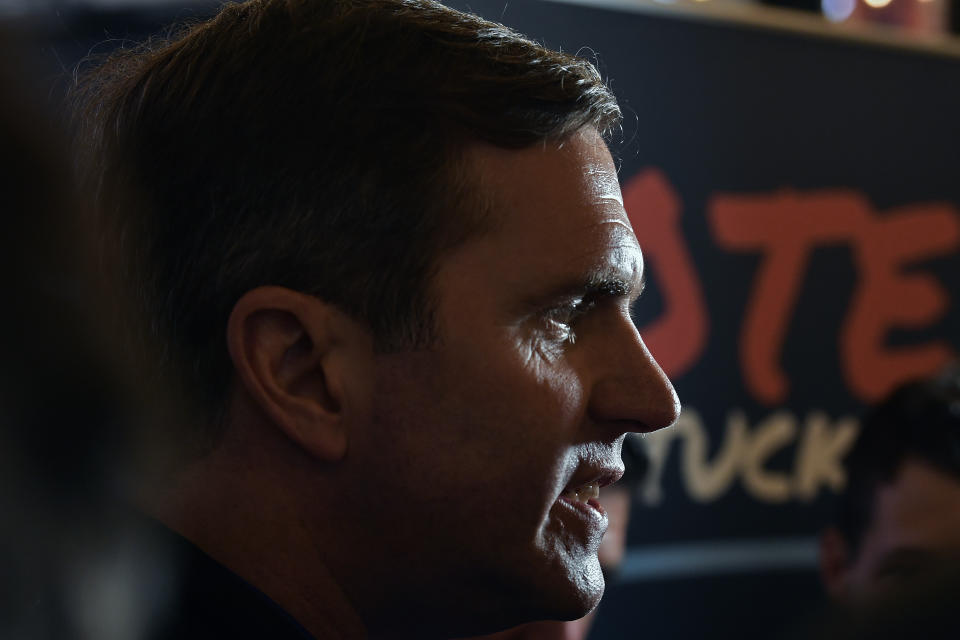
x=568, y=394
x=544, y=373
x=493, y=417
x=519, y=409
x=511, y=380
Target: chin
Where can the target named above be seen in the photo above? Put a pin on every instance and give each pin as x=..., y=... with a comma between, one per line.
x=586, y=600
x=571, y=596
x=551, y=595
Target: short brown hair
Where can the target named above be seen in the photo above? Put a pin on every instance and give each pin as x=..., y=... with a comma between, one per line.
x=920, y=421
x=315, y=145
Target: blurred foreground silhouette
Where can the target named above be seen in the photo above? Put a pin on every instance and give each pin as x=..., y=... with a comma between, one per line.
x=71, y=409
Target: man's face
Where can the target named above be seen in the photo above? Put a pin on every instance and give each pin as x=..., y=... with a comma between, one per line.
x=538, y=372
x=915, y=529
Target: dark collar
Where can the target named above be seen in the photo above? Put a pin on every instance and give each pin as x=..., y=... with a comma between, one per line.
x=203, y=599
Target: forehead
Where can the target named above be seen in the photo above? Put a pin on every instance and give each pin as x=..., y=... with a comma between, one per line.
x=556, y=207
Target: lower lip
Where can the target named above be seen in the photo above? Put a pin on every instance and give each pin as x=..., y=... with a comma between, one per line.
x=590, y=512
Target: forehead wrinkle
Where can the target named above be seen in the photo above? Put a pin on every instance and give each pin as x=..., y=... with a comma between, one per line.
x=603, y=185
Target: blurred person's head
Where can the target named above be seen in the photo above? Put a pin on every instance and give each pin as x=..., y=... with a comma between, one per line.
x=385, y=248
x=923, y=607
x=899, y=516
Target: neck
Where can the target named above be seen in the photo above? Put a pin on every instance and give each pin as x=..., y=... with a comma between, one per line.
x=242, y=510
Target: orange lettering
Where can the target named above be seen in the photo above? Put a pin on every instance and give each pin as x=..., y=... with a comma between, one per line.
x=785, y=227
x=678, y=336
x=888, y=297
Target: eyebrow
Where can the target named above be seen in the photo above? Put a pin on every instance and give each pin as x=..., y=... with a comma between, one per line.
x=606, y=286
x=602, y=284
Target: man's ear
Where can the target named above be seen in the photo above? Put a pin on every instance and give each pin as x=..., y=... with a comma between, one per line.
x=291, y=351
x=834, y=562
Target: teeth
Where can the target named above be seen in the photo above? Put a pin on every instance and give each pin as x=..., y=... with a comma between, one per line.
x=590, y=491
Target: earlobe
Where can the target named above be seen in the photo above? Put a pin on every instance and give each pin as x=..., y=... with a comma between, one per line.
x=281, y=342
x=834, y=562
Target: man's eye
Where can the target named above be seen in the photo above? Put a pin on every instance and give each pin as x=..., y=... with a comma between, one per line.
x=571, y=312
x=561, y=319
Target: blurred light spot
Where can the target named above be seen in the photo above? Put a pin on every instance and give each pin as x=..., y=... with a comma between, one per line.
x=120, y=592
x=877, y=4
x=838, y=10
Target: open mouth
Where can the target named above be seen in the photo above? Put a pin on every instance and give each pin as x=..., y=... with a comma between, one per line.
x=584, y=493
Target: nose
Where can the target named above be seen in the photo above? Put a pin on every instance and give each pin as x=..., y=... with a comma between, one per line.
x=630, y=388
